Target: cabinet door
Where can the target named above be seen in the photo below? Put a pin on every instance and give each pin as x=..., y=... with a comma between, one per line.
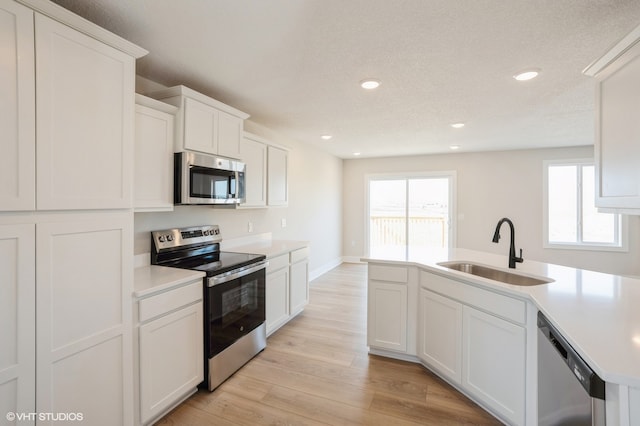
x=277, y=176
x=494, y=363
x=254, y=155
x=17, y=319
x=277, y=299
x=440, y=334
x=153, y=189
x=229, y=134
x=171, y=362
x=299, y=285
x=618, y=133
x=84, y=281
x=387, y=316
x=200, y=127
x=85, y=110
x=17, y=108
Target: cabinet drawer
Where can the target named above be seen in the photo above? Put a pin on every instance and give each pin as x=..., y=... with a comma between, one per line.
x=168, y=301
x=300, y=254
x=278, y=262
x=396, y=274
x=497, y=304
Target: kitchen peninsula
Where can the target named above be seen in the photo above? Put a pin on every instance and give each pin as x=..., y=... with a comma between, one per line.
x=423, y=312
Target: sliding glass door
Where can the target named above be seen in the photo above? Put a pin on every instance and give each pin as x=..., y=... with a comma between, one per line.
x=409, y=217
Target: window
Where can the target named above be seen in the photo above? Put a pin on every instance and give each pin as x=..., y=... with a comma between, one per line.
x=409, y=216
x=571, y=218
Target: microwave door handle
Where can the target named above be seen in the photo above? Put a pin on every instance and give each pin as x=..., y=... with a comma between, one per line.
x=233, y=183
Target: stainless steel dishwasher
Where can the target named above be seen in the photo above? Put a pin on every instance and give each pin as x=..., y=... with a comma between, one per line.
x=569, y=391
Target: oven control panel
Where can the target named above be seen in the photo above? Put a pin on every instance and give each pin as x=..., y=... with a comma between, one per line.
x=180, y=237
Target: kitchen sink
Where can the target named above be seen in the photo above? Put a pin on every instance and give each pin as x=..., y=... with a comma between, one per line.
x=495, y=274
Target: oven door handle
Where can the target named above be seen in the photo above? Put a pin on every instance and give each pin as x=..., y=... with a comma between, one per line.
x=237, y=273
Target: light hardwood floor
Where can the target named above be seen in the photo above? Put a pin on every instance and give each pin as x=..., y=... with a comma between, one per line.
x=316, y=370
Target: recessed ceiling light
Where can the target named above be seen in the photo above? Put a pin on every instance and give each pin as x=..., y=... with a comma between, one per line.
x=326, y=137
x=369, y=83
x=454, y=147
x=457, y=125
x=356, y=153
x=527, y=75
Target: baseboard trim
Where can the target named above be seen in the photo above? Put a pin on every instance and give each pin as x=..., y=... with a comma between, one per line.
x=394, y=355
x=324, y=268
x=352, y=259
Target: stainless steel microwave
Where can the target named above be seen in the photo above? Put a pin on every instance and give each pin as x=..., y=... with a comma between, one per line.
x=207, y=179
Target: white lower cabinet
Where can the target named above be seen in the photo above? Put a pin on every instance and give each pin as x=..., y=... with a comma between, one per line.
x=277, y=293
x=84, y=281
x=17, y=319
x=287, y=287
x=475, y=339
x=171, y=351
x=494, y=363
x=388, y=310
x=440, y=334
x=388, y=327
x=622, y=405
x=299, y=280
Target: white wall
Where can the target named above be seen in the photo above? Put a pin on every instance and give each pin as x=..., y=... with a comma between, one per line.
x=314, y=212
x=490, y=185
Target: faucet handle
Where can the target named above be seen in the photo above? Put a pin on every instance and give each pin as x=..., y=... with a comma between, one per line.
x=520, y=259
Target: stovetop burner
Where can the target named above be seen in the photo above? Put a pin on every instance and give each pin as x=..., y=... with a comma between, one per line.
x=197, y=248
x=219, y=262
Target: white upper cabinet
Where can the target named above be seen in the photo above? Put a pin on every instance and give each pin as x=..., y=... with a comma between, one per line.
x=230, y=130
x=204, y=124
x=200, y=127
x=17, y=108
x=84, y=129
x=76, y=130
x=153, y=171
x=617, y=138
x=253, y=150
x=277, y=177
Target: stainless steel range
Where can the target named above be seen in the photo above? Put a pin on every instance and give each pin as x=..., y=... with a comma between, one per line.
x=234, y=296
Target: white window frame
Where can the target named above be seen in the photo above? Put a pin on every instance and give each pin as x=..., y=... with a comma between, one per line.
x=623, y=244
x=449, y=174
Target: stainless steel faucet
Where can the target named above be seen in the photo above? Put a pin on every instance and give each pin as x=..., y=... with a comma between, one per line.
x=512, y=250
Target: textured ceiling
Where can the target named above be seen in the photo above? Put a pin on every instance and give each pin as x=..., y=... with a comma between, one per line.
x=295, y=65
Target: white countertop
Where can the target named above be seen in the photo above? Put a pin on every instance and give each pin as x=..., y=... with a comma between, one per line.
x=597, y=313
x=269, y=248
x=152, y=279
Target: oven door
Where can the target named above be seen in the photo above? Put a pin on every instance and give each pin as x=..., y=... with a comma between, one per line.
x=236, y=306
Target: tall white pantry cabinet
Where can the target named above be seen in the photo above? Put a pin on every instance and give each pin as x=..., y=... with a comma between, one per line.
x=67, y=110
